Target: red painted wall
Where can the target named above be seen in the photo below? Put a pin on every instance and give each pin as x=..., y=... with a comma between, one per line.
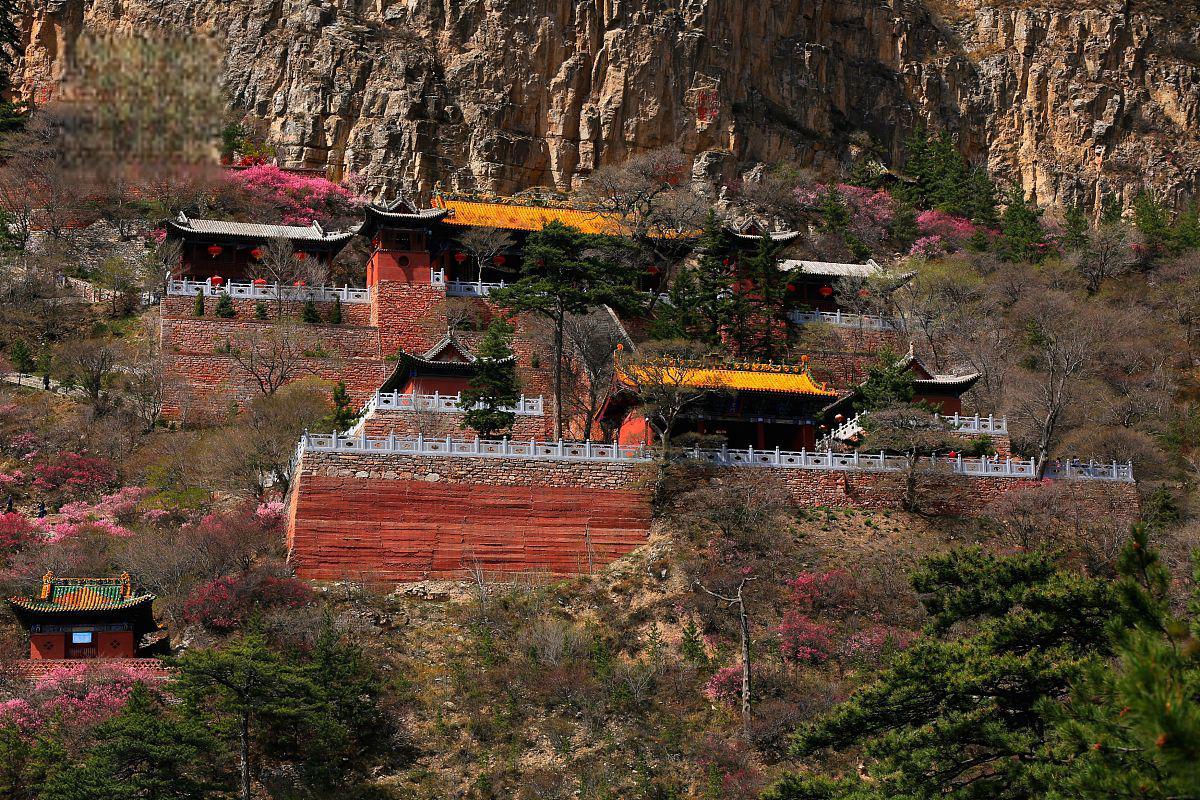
x=47, y=645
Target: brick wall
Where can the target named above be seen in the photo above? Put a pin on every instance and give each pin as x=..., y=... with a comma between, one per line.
x=177, y=307
x=403, y=518
x=409, y=317
x=206, y=335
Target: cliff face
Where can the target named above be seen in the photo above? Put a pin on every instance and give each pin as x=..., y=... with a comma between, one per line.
x=505, y=94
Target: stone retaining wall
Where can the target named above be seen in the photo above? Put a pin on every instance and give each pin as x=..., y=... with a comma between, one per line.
x=405, y=518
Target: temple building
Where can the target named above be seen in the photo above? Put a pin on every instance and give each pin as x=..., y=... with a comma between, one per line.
x=744, y=404
x=82, y=618
x=814, y=283
x=232, y=250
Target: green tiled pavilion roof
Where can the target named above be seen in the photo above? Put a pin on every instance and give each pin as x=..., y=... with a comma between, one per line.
x=83, y=594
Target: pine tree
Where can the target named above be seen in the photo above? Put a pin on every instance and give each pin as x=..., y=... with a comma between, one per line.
x=1075, y=236
x=335, y=313
x=344, y=415
x=565, y=271
x=1151, y=218
x=310, y=314
x=198, y=304
x=225, y=309
x=147, y=751
x=758, y=324
x=979, y=199
x=1185, y=231
x=494, y=389
x=889, y=383
x=700, y=296
x=250, y=694
x=904, y=224
x=691, y=647
x=1021, y=232
x=1111, y=210
x=260, y=310
x=963, y=716
x=21, y=357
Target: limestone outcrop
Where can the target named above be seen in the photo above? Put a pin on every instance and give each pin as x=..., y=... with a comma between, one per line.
x=1067, y=99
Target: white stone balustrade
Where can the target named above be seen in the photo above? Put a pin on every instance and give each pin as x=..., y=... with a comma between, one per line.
x=792, y=459
x=975, y=424
x=472, y=288
x=843, y=319
x=448, y=403
x=268, y=291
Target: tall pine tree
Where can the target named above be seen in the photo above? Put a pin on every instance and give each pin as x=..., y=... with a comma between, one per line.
x=494, y=388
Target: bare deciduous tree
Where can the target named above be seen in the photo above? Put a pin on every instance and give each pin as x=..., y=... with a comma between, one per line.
x=593, y=340
x=483, y=245
x=272, y=357
x=1110, y=251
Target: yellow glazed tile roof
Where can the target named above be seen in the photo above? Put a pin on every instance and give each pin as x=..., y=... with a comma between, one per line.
x=742, y=377
x=514, y=216
x=82, y=594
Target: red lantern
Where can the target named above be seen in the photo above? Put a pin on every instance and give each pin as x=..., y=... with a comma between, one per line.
x=300, y=256
x=864, y=293
x=725, y=261
x=460, y=256
x=499, y=260
x=260, y=281
x=256, y=252
x=214, y=250
x=791, y=287
x=952, y=454
x=301, y=283
x=838, y=417
x=653, y=270
x=826, y=291
x=216, y=280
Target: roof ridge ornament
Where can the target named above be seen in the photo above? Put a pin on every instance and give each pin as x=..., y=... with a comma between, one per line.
x=47, y=584
x=183, y=220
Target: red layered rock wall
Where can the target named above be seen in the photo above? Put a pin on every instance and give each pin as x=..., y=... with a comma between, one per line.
x=406, y=518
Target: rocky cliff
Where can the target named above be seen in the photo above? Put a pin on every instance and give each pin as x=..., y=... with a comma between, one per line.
x=1070, y=101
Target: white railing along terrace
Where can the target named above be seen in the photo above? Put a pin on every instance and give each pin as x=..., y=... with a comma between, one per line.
x=268, y=291
x=802, y=459
x=472, y=288
x=448, y=403
x=843, y=319
x=959, y=423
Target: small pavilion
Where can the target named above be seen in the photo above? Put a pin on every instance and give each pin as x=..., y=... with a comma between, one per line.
x=231, y=250
x=84, y=618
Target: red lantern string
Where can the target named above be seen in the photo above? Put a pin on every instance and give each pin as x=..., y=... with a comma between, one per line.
x=300, y=256
x=216, y=280
x=826, y=291
x=499, y=260
x=460, y=256
x=214, y=250
x=257, y=252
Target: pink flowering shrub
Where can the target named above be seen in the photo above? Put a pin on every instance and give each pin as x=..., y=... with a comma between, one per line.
x=225, y=603
x=76, y=696
x=10, y=481
x=301, y=199
x=803, y=640
x=871, y=210
x=15, y=532
x=725, y=685
x=812, y=591
x=23, y=444
x=74, y=474
x=120, y=506
x=270, y=513
x=928, y=247
x=871, y=645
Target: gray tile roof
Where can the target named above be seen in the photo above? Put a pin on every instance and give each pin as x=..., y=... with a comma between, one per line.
x=831, y=268
x=253, y=230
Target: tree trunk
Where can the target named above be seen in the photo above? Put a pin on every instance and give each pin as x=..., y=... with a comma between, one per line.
x=244, y=746
x=745, y=625
x=558, y=377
